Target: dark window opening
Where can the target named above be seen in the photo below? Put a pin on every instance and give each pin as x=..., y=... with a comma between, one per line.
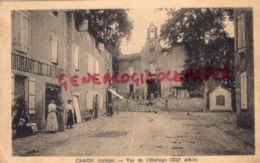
x=131, y=88
x=220, y=100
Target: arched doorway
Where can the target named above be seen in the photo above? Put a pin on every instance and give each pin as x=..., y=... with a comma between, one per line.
x=153, y=87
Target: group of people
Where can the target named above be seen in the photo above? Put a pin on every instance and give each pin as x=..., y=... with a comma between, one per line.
x=21, y=118
x=58, y=116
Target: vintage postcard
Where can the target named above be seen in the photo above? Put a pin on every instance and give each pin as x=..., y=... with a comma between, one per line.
x=129, y=81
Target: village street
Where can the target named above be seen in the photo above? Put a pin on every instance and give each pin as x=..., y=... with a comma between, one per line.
x=144, y=134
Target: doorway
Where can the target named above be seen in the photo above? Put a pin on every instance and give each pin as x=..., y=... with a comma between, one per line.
x=52, y=91
x=153, y=87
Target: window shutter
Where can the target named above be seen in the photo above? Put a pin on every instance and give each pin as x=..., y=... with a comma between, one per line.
x=243, y=85
x=54, y=49
x=32, y=95
x=131, y=71
x=241, y=40
x=76, y=54
x=90, y=64
x=25, y=31
x=97, y=67
x=17, y=28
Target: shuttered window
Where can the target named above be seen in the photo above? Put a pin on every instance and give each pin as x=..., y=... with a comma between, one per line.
x=243, y=85
x=54, y=49
x=32, y=107
x=76, y=54
x=241, y=33
x=90, y=68
x=21, y=30
x=131, y=70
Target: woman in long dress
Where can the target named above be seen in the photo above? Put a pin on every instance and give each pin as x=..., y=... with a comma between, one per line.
x=52, y=123
x=70, y=113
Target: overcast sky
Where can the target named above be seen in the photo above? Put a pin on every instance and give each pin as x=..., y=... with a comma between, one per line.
x=142, y=18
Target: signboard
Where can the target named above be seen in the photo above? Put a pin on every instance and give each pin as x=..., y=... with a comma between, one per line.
x=25, y=64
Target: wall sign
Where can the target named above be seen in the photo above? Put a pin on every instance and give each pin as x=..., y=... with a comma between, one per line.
x=25, y=64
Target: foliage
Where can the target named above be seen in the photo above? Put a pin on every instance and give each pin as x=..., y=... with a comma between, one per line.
x=202, y=33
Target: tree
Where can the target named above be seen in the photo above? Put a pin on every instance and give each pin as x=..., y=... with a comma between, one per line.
x=202, y=33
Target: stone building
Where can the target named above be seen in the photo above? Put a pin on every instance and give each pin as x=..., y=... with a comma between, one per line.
x=155, y=59
x=45, y=45
x=244, y=66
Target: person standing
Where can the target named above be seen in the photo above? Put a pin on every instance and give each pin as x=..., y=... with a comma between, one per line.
x=52, y=123
x=60, y=115
x=70, y=114
x=110, y=110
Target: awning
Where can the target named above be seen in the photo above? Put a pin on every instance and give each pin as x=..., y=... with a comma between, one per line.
x=116, y=94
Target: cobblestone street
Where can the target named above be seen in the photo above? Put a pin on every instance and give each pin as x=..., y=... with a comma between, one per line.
x=145, y=134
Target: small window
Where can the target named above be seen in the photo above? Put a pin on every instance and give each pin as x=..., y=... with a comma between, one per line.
x=220, y=100
x=243, y=86
x=55, y=14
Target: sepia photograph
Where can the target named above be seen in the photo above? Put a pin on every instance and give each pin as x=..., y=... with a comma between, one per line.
x=132, y=82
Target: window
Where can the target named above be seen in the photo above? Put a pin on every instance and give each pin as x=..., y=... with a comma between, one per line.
x=21, y=30
x=130, y=71
x=241, y=36
x=90, y=65
x=55, y=14
x=76, y=55
x=96, y=66
x=54, y=49
x=152, y=67
x=220, y=100
x=243, y=87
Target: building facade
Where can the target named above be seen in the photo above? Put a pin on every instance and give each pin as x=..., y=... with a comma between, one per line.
x=45, y=45
x=244, y=66
x=154, y=59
